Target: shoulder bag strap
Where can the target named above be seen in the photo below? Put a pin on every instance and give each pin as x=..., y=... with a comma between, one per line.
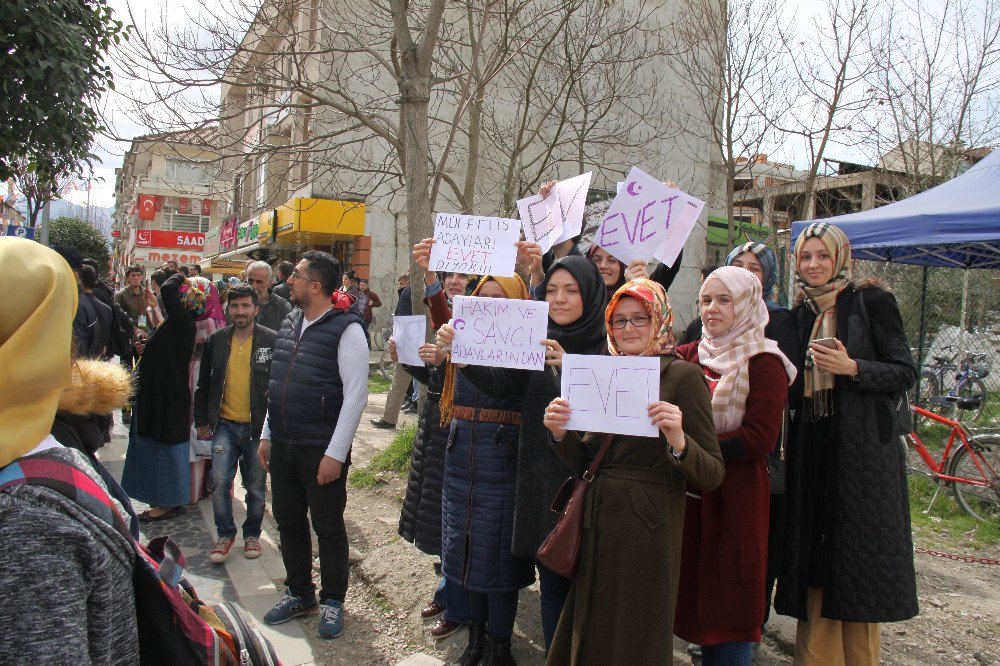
x=588, y=476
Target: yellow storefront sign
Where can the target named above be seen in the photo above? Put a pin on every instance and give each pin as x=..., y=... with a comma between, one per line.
x=307, y=221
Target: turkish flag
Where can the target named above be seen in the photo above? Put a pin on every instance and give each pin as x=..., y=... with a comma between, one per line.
x=206, y=207
x=183, y=206
x=147, y=207
x=159, y=203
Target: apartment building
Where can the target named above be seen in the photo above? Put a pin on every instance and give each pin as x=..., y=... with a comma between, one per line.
x=308, y=128
x=168, y=195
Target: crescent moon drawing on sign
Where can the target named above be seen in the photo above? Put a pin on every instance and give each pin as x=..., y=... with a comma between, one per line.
x=458, y=325
x=633, y=188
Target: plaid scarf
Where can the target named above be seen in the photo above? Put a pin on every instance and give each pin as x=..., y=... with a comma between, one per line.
x=822, y=300
x=729, y=354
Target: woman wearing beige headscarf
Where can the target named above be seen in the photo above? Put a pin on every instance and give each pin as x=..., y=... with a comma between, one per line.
x=849, y=551
x=66, y=575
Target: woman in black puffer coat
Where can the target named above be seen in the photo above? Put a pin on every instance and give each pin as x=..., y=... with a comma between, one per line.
x=420, y=519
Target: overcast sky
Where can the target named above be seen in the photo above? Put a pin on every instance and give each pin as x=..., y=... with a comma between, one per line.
x=110, y=153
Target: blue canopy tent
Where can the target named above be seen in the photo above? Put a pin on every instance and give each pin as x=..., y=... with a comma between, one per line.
x=953, y=225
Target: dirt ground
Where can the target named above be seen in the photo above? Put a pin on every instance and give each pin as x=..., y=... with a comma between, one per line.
x=959, y=621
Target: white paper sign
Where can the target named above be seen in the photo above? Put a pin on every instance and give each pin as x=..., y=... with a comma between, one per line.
x=557, y=217
x=475, y=245
x=499, y=332
x=611, y=394
x=409, y=332
x=647, y=219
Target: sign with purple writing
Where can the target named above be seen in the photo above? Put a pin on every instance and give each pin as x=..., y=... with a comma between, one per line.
x=475, y=245
x=409, y=332
x=499, y=332
x=647, y=219
x=557, y=217
x=611, y=394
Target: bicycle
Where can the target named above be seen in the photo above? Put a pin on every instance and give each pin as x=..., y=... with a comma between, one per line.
x=380, y=337
x=973, y=472
x=968, y=383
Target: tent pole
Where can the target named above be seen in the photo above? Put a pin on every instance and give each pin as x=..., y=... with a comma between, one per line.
x=964, y=313
x=921, y=333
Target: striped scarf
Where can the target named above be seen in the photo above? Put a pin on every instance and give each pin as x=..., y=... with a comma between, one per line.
x=822, y=300
x=729, y=354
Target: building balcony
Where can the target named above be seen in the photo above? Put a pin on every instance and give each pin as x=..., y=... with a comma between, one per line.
x=218, y=189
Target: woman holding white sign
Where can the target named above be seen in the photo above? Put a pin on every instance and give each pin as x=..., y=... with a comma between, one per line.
x=577, y=300
x=477, y=501
x=724, y=561
x=620, y=609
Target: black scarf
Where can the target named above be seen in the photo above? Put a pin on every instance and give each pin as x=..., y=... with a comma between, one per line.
x=586, y=335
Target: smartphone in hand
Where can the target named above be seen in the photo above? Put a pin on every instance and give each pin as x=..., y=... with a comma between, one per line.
x=829, y=343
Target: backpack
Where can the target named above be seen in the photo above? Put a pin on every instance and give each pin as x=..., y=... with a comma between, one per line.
x=175, y=626
x=120, y=339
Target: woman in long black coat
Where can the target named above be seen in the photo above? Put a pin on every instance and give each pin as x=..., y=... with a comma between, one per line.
x=849, y=553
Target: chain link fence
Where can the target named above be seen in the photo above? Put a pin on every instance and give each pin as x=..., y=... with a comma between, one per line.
x=952, y=321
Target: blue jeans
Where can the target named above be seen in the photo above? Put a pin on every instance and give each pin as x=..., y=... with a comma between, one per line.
x=455, y=600
x=230, y=442
x=726, y=654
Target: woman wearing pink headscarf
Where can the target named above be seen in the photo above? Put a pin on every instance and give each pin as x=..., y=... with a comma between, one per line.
x=724, y=560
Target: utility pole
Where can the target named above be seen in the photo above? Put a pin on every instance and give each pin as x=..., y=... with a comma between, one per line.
x=46, y=215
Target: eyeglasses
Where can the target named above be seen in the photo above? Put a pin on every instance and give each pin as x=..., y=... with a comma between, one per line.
x=637, y=321
x=299, y=276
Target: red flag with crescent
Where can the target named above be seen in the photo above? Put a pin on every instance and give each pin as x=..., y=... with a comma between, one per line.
x=147, y=207
x=206, y=207
x=159, y=203
x=183, y=205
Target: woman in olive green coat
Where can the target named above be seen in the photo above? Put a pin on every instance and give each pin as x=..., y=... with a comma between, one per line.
x=620, y=609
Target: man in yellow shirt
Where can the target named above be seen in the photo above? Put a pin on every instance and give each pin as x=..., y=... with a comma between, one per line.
x=229, y=406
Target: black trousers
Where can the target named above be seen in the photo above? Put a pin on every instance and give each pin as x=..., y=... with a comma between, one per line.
x=295, y=492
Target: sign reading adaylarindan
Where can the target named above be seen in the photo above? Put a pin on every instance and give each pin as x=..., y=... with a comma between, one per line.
x=499, y=332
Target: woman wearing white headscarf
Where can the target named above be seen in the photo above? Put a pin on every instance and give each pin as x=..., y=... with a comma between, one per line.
x=724, y=561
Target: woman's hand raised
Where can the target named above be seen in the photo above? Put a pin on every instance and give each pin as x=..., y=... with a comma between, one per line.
x=669, y=419
x=432, y=354
x=556, y=417
x=636, y=270
x=553, y=352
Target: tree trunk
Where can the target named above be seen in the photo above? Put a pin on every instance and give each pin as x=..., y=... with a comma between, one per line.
x=414, y=88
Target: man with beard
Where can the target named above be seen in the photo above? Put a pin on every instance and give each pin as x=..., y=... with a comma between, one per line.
x=318, y=390
x=230, y=405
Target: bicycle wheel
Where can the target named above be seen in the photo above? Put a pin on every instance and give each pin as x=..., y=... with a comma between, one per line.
x=378, y=339
x=386, y=366
x=980, y=502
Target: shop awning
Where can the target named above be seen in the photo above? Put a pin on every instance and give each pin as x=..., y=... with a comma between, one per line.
x=308, y=221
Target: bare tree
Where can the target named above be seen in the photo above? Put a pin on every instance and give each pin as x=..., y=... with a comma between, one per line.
x=937, y=83
x=730, y=60
x=832, y=70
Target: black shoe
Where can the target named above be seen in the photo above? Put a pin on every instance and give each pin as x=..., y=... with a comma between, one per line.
x=477, y=645
x=412, y=409
x=382, y=424
x=498, y=652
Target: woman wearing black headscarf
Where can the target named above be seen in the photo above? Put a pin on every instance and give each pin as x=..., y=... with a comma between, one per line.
x=577, y=299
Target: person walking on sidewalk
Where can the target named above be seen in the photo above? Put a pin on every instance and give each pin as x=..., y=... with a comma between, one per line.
x=317, y=392
x=272, y=308
x=399, y=391
x=229, y=406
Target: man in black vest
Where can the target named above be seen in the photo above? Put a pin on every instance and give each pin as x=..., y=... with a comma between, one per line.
x=317, y=392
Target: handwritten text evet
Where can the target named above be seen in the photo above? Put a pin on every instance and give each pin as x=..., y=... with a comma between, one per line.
x=610, y=394
x=647, y=219
x=557, y=217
